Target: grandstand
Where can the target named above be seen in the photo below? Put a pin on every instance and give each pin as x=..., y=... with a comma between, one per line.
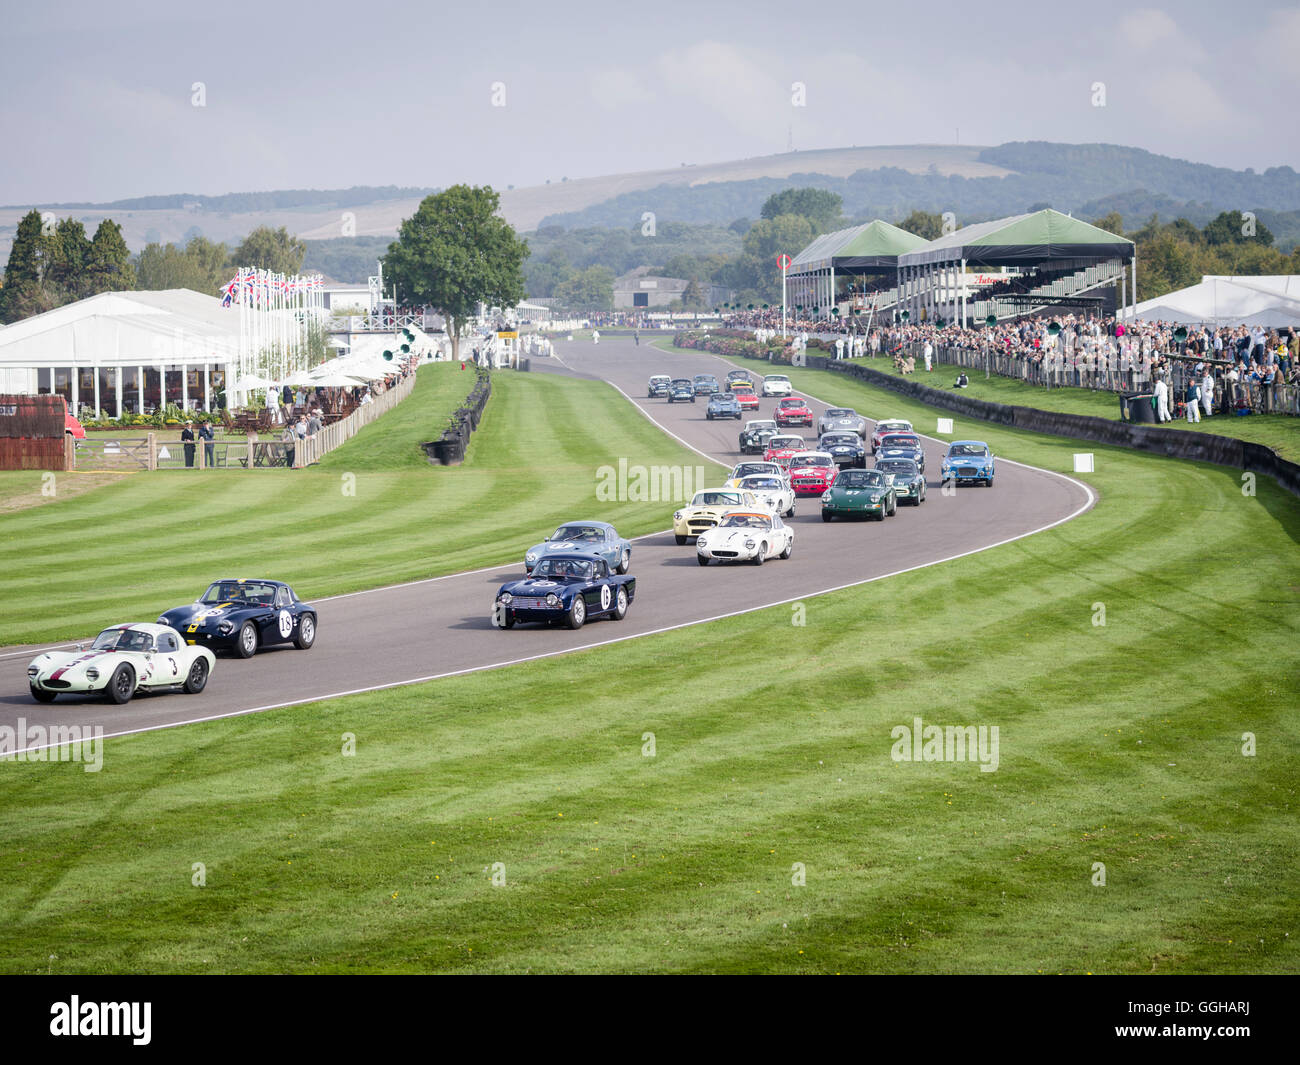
x=1008, y=267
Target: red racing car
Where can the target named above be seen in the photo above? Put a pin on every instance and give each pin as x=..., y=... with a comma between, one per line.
x=745, y=394
x=781, y=447
x=793, y=411
x=811, y=472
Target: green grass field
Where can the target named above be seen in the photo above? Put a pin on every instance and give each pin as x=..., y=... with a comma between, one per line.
x=367, y=516
x=1120, y=744
x=1281, y=432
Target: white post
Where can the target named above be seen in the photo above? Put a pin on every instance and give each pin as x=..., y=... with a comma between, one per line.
x=1134, y=304
x=207, y=387
x=95, y=370
x=139, y=381
x=118, y=389
x=76, y=390
x=784, y=271
x=185, y=386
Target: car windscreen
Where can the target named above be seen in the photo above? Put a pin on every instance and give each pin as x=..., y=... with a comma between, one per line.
x=758, y=427
x=790, y=403
x=240, y=592
x=860, y=479
x=588, y=534
x=682, y=381
x=122, y=640
x=811, y=460
x=778, y=442
x=900, y=441
x=762, y=482
x=563, y=567
x=717, y=499
x=836, y=439
x=897, y=466
x=967, y=449
x=744, y=521
x=839, y=412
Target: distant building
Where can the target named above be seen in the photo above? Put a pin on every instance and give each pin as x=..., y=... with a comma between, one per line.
x=640, y=288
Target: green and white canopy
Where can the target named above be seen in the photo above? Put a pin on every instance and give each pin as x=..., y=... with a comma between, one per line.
x=874, y=247
x=1023, y=238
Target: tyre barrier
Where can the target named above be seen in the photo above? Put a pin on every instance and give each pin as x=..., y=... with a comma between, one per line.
x=449, y=449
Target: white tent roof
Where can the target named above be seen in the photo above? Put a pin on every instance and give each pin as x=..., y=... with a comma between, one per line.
x=1227, y=301
x=125, y=329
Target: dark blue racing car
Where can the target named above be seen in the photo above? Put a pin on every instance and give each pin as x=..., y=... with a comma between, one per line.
x=567, y=587
x=243, y=615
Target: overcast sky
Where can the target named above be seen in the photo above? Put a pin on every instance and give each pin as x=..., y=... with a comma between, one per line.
x=97, y=99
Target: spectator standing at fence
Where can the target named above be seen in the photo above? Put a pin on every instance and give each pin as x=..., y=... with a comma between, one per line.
x=1162, y=400
x=1207, y=391
x=187, y=440
x=209, y=448
x=314, y=422
x=1193, y=400
x=928, y=354
x=273, y=404
x=290, y=440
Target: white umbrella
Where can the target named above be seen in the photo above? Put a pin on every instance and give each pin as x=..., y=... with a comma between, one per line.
x=252, y=381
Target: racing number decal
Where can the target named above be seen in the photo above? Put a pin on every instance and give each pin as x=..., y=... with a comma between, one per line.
x=173, y=665
x=604, y=597
x=286, y=624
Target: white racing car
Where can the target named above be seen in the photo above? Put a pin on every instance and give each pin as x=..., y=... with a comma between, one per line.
x=772, y=491
x=123, y=660
x=745, y=536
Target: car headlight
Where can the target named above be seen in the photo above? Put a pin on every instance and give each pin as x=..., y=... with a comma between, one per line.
x=749, y=545
x=162, y=620
x=505, y=598
x=876, y=497
x=552, y=599
x=530, y=558
x=826, y=497
x=92, y=674
x=226, y=628
x=33, y=671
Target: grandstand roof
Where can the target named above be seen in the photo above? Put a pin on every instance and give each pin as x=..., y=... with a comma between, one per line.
x=872, y=246
x=1218, y=300
x=1022, y=238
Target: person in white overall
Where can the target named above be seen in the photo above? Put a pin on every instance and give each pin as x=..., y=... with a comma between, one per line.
x=1162, y=401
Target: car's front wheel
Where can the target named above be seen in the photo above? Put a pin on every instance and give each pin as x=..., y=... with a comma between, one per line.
x=789, y=548
x=760, y=556
x=246, y=643
x=577, y=615
x=680, y=539
x=703, y=560
x=306, y=633
x=197, y=679
x=42, y=696
x=624, y=562
x=827, y=515
x=620, y=604
x=121, y=685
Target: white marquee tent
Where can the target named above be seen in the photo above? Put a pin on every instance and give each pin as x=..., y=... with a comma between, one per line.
x=124, y=350
x=1271, y=301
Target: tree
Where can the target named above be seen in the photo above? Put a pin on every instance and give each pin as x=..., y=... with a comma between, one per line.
x=1111, y=223
x=29, y=258
x=456, y=252
x=200, y=266
x=590, y=290
x=70, y=256
x=693, y=297
x=1231, y=227
x=766, y=239
x=925, y=225
x=270, y=249
x=821, y=207
x=108, y=268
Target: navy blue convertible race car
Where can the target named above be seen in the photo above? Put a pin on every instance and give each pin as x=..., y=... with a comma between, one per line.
x=244, y=615
x=569, y=587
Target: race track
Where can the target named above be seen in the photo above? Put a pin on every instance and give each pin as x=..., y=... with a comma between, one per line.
x=441, y=627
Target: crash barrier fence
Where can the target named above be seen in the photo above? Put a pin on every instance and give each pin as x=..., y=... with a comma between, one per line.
x=150, y=453
x=1115, y=373
x=449, y=448
x=1176, y=443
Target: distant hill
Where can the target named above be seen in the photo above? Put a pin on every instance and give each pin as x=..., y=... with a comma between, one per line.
x=973, y=182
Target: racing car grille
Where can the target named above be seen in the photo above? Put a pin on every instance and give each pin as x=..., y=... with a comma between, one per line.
x=808, y=482
x=527, y=602
x=967, y=471
x=55, y=684
x=725, y=554
x=701, y=523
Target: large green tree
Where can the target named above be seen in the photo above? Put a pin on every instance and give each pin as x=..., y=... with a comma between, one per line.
x=108, y=266
x=276, y=250
x=591, y=289
x=24, y=291
x=69, y=259
x=924, y=224
x=820, y=207
x=200, y=266
x=456, y=252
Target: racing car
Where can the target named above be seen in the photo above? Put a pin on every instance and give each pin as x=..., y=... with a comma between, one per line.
x=844, y=447
x=772, y=491
x=793, y=411
x=745, y=395
x=842, y=419
x=658, y=385
x=968, y=460
x=868, y=493
x=736, y=377
x=883, y=429
x=123, y=660
x=777, y=384
x=244, y=615
x=681, y=389
x=745, y=536
x=706, y=507
x=723, y=405
x=782, y=446
x=754, y=437
x=592, y=537
x=908, y=480
x=811, y=472
x=902, y=446
x=570, y=586
x=746, y=469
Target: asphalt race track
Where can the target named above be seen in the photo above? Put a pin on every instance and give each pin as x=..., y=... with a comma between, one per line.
x=442, y=626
